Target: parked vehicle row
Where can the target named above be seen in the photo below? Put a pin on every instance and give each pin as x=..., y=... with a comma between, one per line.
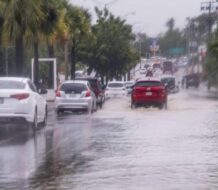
x=21, y=101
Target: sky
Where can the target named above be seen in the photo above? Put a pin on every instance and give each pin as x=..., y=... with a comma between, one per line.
x=149, y=16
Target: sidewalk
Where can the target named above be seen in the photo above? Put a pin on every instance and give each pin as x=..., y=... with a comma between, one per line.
x=202, y=91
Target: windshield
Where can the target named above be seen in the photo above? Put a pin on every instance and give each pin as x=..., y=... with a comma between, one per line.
x=115, y=85
x=168, y=80
x=148, y=84
x=9, y=84
x=129, y=84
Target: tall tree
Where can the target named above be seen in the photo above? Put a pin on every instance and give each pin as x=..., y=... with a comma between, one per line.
x=112, y=48
x=79, y=24
x=172, y=42
x=19, y=16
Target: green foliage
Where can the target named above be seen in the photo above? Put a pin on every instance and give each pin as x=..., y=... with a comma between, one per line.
x=106, y=47
x=173, y=38
x=211, y=65
x=111, y=53
x=141, y=44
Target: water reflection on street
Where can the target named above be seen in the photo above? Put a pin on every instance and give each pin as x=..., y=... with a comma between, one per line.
x=117, y=148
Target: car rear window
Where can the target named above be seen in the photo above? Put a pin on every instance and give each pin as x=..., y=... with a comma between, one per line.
x=76, y=88
x=93, y=82
x=148, y=83
x=115, y=85
x=128, y=84
x=8, y=84
x=168, y=80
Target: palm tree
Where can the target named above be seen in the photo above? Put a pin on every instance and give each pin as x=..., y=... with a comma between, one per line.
x=78, y=21
x=20, y=16
x=43, y=31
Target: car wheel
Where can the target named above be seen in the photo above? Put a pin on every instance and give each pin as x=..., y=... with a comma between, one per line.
x=59, y=112
x=96, y=107
x=44, y=123
x=101, y=104
x=165, y=105
x=161, y=106
x=34, y=124
x=133, y=106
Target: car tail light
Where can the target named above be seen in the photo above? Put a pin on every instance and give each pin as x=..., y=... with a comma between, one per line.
x=88, y=94
x=58, y=94
x=162, y=92
x=20, y=96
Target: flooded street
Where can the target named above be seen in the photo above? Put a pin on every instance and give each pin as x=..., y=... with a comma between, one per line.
x=118, y=148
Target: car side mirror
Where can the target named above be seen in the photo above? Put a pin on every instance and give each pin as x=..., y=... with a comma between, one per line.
x=42, y=91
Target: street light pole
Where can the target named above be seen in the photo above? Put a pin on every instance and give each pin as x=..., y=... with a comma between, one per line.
x=210, y=7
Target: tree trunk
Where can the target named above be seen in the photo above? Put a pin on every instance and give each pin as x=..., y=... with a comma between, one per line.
x=66, y=60
x=128, y=76
x=51, y=67
x=73, y=63
x=36, y=63
x=19, y=55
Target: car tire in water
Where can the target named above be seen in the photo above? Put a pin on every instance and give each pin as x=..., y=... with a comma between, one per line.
x=44, y=123
x=165, y=105
x=161, y=106
x=59, y=112
x=133, y=106
x=34, y=124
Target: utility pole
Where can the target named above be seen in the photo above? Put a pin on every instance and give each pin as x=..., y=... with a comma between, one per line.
x=210, y=7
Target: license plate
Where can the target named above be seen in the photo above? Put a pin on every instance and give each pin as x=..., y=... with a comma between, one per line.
x=1, y=100
x=72, y=95
x=148, y=93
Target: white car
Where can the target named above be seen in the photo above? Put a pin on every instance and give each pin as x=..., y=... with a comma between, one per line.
x=75, y=95
x=115, y=89
x=20, y=102
x=129, y=85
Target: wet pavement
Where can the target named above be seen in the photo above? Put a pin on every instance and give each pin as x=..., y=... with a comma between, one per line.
x=118, y=148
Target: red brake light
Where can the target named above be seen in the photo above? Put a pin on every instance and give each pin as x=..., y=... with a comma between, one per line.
x=58, y=93
x=88, y=94
x=20, y=96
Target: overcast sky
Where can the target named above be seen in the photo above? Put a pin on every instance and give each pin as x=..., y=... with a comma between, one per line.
x=147, y=16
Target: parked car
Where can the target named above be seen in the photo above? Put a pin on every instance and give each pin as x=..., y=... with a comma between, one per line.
x=75, y=96
x=170, y=83
x=97, y=88
x=149, y=92
x=21, y=103
x=115, y=89
x=129, y=85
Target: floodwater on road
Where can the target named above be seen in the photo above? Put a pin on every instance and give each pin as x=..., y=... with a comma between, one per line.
x=118, y=148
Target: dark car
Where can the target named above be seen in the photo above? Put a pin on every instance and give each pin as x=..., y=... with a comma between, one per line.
x=191, y=80
x=149, y=92
x=170, y=83
x=97, y=88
